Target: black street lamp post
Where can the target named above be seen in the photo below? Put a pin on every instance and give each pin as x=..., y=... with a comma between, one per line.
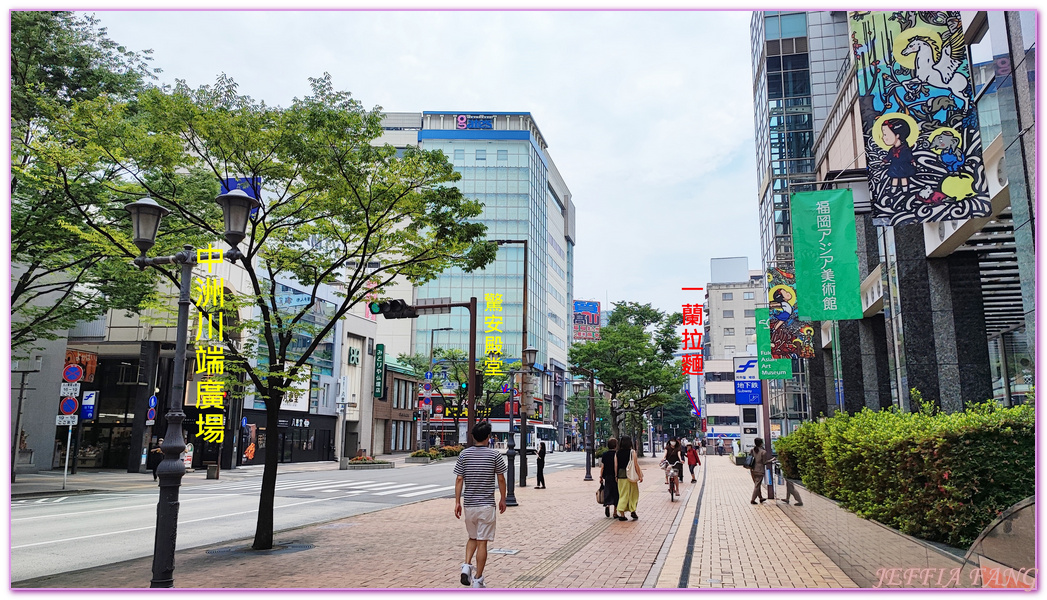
x=145, y=218
x=590, y=438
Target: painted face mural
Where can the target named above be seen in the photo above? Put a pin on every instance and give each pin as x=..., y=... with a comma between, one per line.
x=787, y=331
x=923, y=144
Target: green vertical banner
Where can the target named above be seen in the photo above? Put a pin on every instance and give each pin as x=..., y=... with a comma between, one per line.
x=825, y=247
x=379, y=370
x=770, y=367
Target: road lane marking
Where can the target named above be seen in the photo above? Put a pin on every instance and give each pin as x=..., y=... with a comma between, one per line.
x=85, y=512
x=333, y=485
x=84, y=537
x=412, y=494
x=387, y=492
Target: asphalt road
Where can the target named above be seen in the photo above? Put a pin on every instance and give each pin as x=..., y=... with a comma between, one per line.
x=66, y=533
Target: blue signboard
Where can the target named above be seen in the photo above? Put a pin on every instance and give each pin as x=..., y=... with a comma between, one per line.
x=747, y=392
x=87, y=411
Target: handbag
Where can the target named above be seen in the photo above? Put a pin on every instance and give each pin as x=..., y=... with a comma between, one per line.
x=630, y=469
x=600, y=495
x=750, y=461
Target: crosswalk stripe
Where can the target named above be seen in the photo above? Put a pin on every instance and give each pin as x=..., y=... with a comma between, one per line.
x=442, y=489
x=327, y=486
x=392, y=491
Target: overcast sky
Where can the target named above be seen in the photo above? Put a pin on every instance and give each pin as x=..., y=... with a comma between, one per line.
x=648, y=115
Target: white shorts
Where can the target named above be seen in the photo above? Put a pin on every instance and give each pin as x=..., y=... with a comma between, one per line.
x=479, y=521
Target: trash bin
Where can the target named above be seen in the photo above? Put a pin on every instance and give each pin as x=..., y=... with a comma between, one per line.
x=212, y=470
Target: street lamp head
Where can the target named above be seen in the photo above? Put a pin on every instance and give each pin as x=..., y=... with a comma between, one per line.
x=145, y=219
x=530, y=355
x=236, y=207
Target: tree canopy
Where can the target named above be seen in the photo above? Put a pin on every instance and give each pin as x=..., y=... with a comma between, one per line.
x=340, y=216
x=634, y=359
x=58, y=60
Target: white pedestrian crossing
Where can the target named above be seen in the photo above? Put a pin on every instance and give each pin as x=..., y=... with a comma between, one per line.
x=353, y=488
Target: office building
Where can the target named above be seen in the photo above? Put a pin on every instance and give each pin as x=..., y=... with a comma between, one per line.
x=505, y=163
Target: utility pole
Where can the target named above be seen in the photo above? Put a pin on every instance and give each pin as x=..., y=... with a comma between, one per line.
x=22, y=368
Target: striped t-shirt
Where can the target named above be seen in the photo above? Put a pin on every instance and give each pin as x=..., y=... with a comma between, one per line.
x=479, y=466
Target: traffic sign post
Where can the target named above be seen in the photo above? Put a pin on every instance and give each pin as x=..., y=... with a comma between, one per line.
x=69, y=405
x=70, y=420
x=73, y=373
x=70, y=389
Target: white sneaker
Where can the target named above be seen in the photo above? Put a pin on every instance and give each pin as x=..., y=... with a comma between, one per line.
x=467, y=574
x=479, y=582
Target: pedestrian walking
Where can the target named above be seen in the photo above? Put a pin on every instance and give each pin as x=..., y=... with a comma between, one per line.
x=609, y=479
x=761, y=458
x=156, y=456
x=541, y=467
x=478, y=468
x=692, y=461
x=628, y=491
x=719, y=447
x=683, y=444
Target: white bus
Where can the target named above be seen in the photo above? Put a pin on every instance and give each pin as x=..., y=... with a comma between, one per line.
x=536, y=433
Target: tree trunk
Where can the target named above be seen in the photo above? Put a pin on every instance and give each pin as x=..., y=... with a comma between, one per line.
x=457, y=436
x=263, y=535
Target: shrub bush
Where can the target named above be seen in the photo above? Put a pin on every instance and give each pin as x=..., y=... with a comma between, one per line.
x=419, y=453
x=451, y=450
x=434, y=453
x=366, y=460
x=941, y=477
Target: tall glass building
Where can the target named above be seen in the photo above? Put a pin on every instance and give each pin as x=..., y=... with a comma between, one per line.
x=797, y=59
x=505, y=164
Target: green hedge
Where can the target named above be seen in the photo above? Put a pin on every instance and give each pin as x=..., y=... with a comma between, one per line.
x=940, y=477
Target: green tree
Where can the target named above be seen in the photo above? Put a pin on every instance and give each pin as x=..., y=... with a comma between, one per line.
x=57, y=60
x=456, y=361
x=333, y=206
x=675, y=412
x=634, y=360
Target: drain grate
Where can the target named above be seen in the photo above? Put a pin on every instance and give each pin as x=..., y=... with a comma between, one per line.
x=241, y=551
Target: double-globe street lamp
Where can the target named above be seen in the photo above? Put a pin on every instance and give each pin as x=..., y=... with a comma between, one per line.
x=590, y=437
x=530, y=354
x=145, y=218
x=432, y=333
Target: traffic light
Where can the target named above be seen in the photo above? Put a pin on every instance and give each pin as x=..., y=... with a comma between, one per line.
x=393, y=309
x=414, y=415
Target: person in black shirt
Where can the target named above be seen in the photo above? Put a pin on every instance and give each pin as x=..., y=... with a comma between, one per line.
x=541, y=467
x=610, y=479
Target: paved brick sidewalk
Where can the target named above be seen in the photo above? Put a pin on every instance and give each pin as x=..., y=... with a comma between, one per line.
x=562, y=537
x=738, y=545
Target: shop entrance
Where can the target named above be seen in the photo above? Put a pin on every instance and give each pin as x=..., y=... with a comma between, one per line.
x=104, y=445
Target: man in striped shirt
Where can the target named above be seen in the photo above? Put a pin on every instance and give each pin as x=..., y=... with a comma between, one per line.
x=477, y=468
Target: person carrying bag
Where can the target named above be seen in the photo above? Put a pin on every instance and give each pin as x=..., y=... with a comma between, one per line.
x=629, y=476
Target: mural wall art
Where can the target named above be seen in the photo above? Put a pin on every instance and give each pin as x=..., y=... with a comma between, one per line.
x=922, y=142
x=790, y=337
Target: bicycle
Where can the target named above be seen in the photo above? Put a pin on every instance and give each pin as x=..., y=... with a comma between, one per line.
x=674, y=478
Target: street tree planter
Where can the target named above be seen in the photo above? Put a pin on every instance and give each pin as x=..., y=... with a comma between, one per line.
x=740, y=460
x=421, y=459
x=358, y=466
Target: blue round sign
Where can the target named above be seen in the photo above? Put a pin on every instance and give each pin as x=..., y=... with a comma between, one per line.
x=243, y=422
x=152, y=401
x=150, y=414
x=69, y=405
x=428, y=401
x=73, y=373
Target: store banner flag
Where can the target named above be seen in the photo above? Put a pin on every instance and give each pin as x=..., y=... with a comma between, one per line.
x=770, y=368
x=825, y=250
x=922, y=142
x=790, y=337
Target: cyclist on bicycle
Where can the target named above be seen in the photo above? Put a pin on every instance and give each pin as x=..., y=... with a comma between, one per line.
x=674, y=457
